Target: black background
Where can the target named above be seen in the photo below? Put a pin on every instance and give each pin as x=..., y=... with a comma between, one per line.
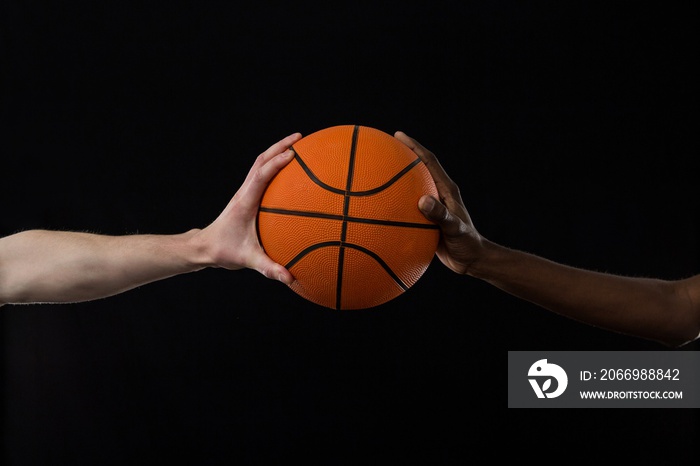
x=570, y=128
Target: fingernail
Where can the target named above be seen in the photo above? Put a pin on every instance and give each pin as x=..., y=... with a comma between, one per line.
x=281, y=277
x=427, y=203
x=287, y=153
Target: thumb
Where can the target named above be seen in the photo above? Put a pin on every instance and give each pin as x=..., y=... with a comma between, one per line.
x=272, y=269
x=436, y=212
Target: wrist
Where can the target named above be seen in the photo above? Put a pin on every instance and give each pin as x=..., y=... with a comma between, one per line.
x=197, y=250
x=485, y=263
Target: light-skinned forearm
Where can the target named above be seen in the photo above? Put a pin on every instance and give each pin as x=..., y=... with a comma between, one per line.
x=56, y=266
x=659, y=310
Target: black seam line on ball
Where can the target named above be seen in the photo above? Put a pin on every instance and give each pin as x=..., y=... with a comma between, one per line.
x=370, y=253
x=348, y=184
x=371, y=221
x=346, y=209
x=368, y=192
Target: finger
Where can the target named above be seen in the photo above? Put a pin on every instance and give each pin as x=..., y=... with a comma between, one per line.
x=436, y=212
x=442, y=180
x=260, y=177
x=266, y=167
x=276, y=149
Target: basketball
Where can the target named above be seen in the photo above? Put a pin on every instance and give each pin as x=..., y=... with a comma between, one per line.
x=343, y=218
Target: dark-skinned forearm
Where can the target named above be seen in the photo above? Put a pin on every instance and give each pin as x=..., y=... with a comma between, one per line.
x=654, y=309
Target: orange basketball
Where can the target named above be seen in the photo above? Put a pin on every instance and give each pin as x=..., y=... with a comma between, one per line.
x=343, y=217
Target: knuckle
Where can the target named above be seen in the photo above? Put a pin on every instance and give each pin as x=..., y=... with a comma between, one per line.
x=258, y=175
x=452, y=189
x=428, y=157
x=462, y=229
x=445, y=216
x=260, y=159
